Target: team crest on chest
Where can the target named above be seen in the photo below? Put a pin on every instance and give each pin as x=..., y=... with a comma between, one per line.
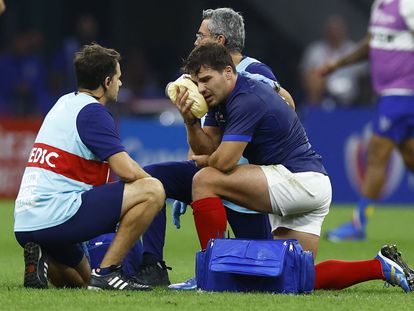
x=220, y=117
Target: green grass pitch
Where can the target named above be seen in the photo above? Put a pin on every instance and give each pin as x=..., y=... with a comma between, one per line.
x=390, y=224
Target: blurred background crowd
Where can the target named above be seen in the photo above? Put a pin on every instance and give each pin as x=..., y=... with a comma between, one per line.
x=38, y=40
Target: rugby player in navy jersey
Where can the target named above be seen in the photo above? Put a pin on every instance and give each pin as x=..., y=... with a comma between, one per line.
x=225, y=26
x=64, y=198
x=285, y=177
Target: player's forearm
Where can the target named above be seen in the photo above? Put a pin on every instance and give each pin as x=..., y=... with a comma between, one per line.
x=137, y=173
x=126, y=168
x=132, y=174
x=227, y=155
x=220, y=163
x=190, y=153
x=199, y=141
x=357, y=55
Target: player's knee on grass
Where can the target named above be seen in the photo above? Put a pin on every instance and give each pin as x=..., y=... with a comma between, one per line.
x=84, y=270
x=62, y=276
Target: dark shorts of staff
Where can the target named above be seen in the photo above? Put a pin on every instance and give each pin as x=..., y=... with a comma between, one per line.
x=99, y=213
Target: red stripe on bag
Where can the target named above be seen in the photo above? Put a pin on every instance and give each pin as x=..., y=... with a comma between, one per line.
x=61, y=162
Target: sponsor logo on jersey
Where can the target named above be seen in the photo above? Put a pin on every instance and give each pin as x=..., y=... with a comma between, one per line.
x=68, y=164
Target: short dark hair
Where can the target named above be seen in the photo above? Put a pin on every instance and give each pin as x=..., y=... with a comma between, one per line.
x=211, y=55
x=93, y=63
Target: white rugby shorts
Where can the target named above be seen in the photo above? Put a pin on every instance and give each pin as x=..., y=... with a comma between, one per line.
x=300, y=201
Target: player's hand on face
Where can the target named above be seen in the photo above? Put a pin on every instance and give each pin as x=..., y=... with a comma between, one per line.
x=184, y=105
x=201, y=160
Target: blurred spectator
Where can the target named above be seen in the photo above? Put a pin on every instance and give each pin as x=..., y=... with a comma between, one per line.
x=2, y=7
x=139, y=82
x=23, y=90
x=341, y=87
x=62, y=71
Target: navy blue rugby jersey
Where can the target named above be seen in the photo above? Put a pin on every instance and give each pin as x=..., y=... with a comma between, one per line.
x=256, y=114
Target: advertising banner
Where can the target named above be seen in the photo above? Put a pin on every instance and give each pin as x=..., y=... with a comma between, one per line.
x=341, y=136
x=16, y=140
x=148, y=141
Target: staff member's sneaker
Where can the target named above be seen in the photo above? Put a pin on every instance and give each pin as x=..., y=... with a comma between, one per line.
x=115, y=280
x=35, y=266
x=394, y=268
x=190, y=284
x=155, y=274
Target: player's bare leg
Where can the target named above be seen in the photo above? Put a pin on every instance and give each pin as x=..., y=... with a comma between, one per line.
x=308, y=241
x=141, y=202
x=406, y=149
x=247, y=186
x=62, y=275
x=379, y=154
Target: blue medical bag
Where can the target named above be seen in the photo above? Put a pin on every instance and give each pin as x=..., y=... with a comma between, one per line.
x=277, y=266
